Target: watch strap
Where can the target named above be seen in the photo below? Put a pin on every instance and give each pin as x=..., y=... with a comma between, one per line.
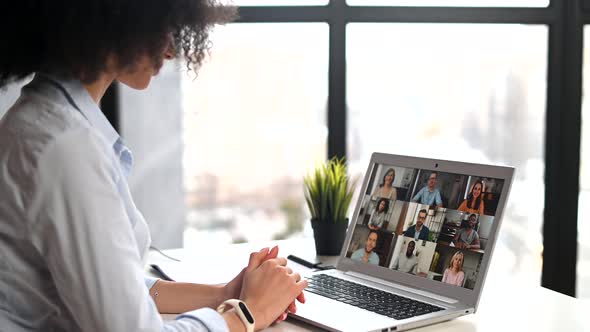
x=241, y=310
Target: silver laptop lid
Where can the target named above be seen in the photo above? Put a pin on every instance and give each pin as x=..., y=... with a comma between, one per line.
x=428, y=224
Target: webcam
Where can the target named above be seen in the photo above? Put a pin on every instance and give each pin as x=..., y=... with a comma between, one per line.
x=436, y=165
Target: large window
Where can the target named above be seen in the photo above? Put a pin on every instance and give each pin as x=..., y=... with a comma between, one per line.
x=254, y=123
x=296, y=81
x=459, y=92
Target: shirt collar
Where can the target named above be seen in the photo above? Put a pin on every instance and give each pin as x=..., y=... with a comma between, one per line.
x=78, y=96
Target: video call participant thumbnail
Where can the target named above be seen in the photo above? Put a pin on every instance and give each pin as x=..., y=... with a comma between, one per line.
x=367, y=254
x=454, y=274
x=467, y=238
x=407, y=261
x=386, y=188
x=429, y=194
x=378, y=216
x=419, y=231
x=474, y=201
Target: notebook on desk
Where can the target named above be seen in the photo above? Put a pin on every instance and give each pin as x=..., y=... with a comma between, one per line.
x=418, y=247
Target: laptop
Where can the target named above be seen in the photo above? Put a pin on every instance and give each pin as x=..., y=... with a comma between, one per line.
x=417, y=249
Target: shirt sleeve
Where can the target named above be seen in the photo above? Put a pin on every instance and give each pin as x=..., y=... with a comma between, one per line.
x=374, y=259
x=89, y=246
x=418, y=195
x=149, y=281
x=408, y=232
x=437, y=198
x=395, y=264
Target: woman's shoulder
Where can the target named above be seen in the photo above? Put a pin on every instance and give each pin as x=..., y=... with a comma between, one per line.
x=36, y=126
x=37, y=118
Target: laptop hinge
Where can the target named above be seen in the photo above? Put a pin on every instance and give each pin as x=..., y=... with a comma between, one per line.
x=404, y=288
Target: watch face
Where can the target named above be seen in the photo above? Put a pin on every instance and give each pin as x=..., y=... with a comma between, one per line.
x=246, y=312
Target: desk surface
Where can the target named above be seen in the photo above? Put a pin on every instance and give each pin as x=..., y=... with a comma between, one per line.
x=507, y=303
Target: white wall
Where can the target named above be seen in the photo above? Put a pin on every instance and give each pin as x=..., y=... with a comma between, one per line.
x=151, y=125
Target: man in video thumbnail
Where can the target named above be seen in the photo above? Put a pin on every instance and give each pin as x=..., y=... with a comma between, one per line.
x=407, y=261
x=366, y=254
x=419, y=231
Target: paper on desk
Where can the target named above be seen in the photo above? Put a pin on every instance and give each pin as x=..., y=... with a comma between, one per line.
x=207, y=271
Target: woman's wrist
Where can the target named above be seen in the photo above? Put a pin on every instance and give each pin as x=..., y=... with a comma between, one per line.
x=258, y=316
x=234, y=323
x=224, y=292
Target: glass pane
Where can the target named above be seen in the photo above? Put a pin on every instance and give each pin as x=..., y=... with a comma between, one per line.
x=583, y=277
x=245, y=3
x=451, y=3
x=255, y=122
x=462, y=92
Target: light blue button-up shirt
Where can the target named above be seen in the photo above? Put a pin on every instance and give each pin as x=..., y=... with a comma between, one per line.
x=425, y=196
x=72, y=242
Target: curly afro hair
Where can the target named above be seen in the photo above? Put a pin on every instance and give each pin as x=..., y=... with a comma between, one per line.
x=78, y=37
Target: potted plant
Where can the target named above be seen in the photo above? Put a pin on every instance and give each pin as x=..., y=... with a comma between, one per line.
x=328, y=193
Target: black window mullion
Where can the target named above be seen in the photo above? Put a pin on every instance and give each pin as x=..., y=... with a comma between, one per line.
x=451, y=15
x=284, y=14
x=337, y=113
x=338, y=10
x=562, y=150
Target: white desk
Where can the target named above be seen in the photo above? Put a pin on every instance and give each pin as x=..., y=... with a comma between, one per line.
x=507, y=303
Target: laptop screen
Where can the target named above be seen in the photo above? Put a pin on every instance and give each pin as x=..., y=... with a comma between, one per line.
x=430, y=224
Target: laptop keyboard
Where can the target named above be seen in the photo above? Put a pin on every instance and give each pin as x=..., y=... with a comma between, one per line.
x=372, y=299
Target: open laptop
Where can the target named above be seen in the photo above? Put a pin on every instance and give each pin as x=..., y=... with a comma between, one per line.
x=416, y=256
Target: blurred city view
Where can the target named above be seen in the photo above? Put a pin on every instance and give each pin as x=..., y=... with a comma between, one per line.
x=254, y=124
x=255, y=120
x=466, y=92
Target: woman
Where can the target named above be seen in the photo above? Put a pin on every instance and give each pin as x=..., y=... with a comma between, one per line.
x=454, y=274
x=386, y=188
x=474, y=201
x=378, y=216
x=72, y=242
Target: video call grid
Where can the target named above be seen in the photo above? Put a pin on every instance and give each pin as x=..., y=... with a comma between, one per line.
x=427, y=223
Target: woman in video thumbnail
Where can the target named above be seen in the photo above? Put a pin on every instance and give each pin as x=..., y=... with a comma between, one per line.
x=454, y=274
x=474, y=201
x=378, y=216
x=386, y=188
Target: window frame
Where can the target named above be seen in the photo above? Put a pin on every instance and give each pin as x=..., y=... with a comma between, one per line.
x=565, y=20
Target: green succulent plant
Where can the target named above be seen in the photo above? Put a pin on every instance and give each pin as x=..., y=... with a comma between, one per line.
x=328, y=191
